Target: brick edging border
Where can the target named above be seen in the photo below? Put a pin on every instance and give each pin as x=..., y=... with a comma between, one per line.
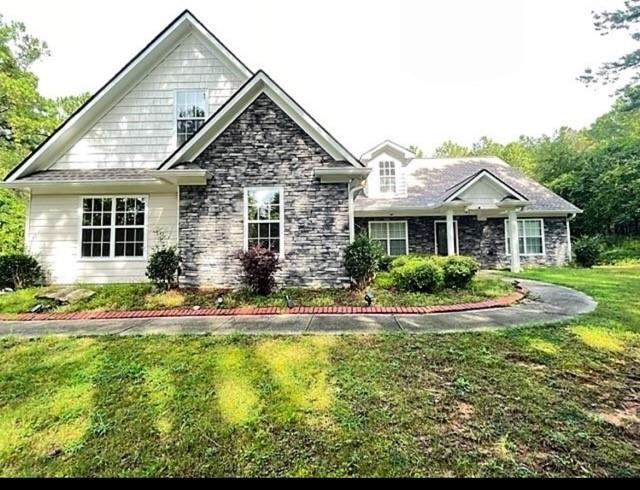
x=500, y=302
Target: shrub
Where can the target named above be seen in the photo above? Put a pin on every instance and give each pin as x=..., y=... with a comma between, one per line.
x=19, y=271
x=418, y=274
x=384, y=280
x=259, y=265
x=163, y=267
x=459, y=271
x=587, y=251
x=362, y=260
x=384, y=265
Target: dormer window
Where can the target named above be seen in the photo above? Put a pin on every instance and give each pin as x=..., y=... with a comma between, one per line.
x=190, y=113
x=388, y=177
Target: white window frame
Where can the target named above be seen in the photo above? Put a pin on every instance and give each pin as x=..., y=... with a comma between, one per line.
x=406, y=235
x=279, y=189
x=455, y=231
x=392, y=165
x=523, y=253
x=175, y=108
x=112, y=244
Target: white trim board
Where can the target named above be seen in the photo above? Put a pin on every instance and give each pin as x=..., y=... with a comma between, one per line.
x=486, y=174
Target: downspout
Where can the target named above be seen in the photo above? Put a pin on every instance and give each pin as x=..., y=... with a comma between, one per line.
x=352, y=224
x=569, y=250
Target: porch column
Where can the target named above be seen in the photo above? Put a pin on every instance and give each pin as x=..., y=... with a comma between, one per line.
x=515, y=242
x=451, y=240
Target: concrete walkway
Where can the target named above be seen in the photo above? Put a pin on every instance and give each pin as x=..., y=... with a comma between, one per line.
x=546, y=303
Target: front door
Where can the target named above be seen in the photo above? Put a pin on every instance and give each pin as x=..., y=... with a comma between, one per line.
x=441, y=237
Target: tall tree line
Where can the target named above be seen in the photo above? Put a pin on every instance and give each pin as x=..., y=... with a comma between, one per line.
x=598, y=167
x=26, y=118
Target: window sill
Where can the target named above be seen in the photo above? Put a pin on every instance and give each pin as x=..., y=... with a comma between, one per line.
x=112, y=259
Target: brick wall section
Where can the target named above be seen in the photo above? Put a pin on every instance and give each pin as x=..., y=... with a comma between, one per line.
x=264, y=147
x=483, y=240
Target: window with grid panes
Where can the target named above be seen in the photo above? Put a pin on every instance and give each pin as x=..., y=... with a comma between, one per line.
x=264, y=218
x=190, y=113
x=113, y=227
x=391, y=235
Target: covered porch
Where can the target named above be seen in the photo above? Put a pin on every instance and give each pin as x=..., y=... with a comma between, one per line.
x=486, y=235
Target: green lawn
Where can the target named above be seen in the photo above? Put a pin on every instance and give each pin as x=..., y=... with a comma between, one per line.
x=540, y=401
x=143, y=297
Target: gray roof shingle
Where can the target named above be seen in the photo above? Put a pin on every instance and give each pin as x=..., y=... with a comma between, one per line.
x=430, y=180
x=108, y=174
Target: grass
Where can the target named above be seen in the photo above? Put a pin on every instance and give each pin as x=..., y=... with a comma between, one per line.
x=547, y=401
x=142, y=297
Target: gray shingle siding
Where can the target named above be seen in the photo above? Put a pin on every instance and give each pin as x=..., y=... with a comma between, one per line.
x=484, y=240
x=264, y=147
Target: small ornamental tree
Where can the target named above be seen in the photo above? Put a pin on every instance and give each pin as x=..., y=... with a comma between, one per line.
x=259, y=266
x=163, y=267
x=362, y=260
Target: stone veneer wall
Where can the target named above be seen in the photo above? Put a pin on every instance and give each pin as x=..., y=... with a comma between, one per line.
x=483, y=240
x=264, y=147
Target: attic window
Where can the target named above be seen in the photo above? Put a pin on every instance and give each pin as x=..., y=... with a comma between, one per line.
x=190, y=113
x=388, y=177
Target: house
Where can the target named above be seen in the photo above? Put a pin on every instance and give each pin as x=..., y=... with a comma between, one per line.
x=185, y=145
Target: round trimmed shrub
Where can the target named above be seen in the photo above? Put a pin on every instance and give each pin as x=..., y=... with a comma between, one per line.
x=459, y=271
x=587, y=250
x=362, y=260
x=418, y=275
x=19, y=271
x=163, y=268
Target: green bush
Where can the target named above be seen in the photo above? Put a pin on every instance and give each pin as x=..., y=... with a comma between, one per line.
x=587, y=250
x=459, y=271
x=19, y=271
x=362, y=260
x=163, y=267
x=418, y=274
x=385, y=263
x=384, y=280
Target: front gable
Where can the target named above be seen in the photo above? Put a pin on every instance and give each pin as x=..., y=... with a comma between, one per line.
x=140, y=129
x=260, y=84
x=264, y=141
x=106, y=131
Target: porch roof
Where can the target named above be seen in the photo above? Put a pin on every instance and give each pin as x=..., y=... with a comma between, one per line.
x=430, y=181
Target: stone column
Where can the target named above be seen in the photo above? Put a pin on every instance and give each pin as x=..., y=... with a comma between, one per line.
x=451, y=240
x=515, y=242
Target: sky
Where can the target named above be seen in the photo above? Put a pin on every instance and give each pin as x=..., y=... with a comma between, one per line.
x=416, y=72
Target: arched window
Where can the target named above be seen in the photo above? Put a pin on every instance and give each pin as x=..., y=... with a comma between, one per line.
x=388, y=177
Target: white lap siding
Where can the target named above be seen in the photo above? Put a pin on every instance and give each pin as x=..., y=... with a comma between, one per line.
x=53, y=238
x=140, y=130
